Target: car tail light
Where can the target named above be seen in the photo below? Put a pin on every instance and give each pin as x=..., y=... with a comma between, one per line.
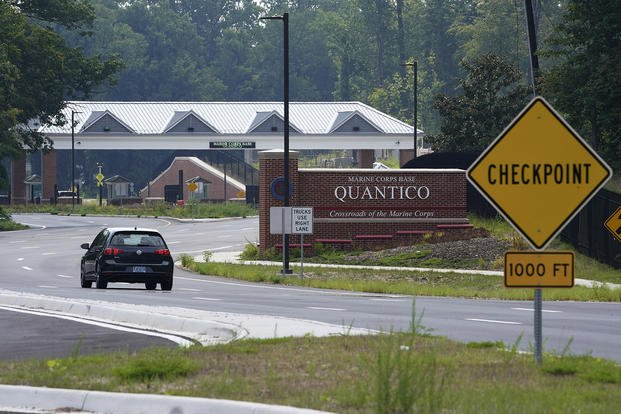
x=164, y=252
x=112, y=251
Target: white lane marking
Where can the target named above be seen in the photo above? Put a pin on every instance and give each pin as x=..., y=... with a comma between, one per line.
x=493, y=321
x=20, y=259
x=17, y=241
x=247, y=228
x=29, y=247
x=26, y=268
x=173, y=242
x=51, y=314
x=542, y=310
x=49, y=253
x=65, y=276
x=327, y=309
x=208, y=299
x=168, y=223
x=224, y=236
x=189, y=289
x=48, y=287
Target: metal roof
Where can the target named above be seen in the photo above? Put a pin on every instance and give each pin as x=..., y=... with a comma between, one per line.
x=235, y=118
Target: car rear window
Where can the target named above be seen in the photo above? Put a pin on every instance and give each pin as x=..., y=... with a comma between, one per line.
x=137, y=239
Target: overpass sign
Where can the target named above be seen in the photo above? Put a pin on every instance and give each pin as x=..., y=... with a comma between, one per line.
x=539, y=173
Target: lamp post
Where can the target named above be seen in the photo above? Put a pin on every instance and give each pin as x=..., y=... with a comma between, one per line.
x=414, y=66
x=285, y=19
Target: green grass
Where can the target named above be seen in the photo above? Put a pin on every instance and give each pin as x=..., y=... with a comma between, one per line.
x=426, y=283
x=200, y=210
x=10, y=225
x=393, y=373
x=7, y=224
x=156, y=365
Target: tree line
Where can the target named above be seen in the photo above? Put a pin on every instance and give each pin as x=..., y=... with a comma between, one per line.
x=472, y=56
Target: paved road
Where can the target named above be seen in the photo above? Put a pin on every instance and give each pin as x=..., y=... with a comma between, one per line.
x=27, y=335
x=47, y=262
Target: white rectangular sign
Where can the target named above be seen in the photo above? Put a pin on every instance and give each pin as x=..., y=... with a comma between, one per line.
x=280, y=216
x=302, y=220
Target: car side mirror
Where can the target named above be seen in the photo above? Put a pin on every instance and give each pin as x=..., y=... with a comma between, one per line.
x=85, y=246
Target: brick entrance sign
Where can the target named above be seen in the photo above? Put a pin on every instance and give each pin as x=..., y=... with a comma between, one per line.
x=360, y=206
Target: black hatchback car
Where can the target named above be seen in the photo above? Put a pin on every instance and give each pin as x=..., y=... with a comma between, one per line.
x=131, y=255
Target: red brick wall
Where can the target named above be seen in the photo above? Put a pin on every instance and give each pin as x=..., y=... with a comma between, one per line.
x=190, y=170
x=351, y=202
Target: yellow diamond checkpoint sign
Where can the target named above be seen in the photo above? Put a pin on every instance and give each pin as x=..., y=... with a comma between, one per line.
x=539, y=173
x=613, y=224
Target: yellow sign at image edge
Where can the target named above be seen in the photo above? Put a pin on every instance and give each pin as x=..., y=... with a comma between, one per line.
x=528, y=269
x=613, y=224
x=538, y=173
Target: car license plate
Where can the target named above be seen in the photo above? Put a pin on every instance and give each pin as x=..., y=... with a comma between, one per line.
x=140, y=269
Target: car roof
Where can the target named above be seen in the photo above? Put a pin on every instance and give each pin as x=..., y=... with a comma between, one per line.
x=113, y=230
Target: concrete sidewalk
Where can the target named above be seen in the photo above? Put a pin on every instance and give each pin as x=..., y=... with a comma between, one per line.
x=233, y=257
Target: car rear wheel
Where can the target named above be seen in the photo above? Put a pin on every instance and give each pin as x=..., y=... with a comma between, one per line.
x=100, y=283
x=85, y=283
x=167, y=284
x=150, y=285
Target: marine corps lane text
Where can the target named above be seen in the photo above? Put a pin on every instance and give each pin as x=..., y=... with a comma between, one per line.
x=538, y=174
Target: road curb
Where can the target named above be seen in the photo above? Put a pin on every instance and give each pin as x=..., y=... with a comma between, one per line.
x=168, y=320
x=42, y=400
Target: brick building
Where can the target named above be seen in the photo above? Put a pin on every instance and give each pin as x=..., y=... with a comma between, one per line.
x=218, y=186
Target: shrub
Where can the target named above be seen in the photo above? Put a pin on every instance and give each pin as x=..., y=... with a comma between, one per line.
x=251, y=252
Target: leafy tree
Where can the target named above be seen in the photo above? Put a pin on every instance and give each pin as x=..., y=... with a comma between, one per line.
x=498, y=27
x=586, y=84
x=493, y=96
x=39, y=71
x=352, y=59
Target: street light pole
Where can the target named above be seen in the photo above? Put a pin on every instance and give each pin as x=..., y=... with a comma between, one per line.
x=414, y=66
x=72, y=158
x=285, y=19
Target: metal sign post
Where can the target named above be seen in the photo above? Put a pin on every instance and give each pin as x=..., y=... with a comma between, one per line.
x=100, y=178
x=285, y=266
x=302, y=223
